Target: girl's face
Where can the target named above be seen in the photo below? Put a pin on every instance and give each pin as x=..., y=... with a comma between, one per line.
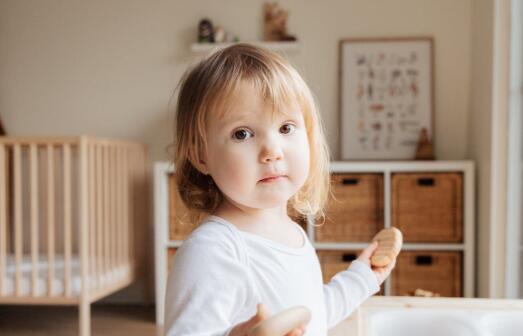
x=249, y=144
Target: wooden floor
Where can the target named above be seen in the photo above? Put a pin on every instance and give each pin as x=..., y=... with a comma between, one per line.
x=107, y=320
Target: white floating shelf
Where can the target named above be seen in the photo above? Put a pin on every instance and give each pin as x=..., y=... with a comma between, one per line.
x=202, y=48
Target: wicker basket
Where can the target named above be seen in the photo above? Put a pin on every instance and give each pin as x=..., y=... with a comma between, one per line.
x=335, y=261
x=356, y=212
x=171, y=251
x=438, y=272
x=428, y=207
x=179, y=226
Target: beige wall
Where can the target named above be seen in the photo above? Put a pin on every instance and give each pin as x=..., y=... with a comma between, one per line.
x=488, y=139
x=479, y=136
x=109, y=67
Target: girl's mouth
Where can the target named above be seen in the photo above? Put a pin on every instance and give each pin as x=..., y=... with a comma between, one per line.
x=272, y=179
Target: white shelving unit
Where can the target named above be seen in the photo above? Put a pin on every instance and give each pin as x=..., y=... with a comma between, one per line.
x=161, y=233
x=203, y=48
x=387, y=169
x=161, y=213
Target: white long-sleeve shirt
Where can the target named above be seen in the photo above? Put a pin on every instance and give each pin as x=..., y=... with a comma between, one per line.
x=221, y=273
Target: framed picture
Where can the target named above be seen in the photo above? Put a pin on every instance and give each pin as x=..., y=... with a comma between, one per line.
x=386, y=97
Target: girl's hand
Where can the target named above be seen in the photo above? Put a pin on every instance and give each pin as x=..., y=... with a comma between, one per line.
x=245, y=328
x=381, y=273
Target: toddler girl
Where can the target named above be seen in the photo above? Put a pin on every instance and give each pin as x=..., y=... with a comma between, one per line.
x=249, y=147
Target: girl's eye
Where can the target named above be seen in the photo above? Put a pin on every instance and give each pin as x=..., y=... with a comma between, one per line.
x=287, y=128
x=241, y=134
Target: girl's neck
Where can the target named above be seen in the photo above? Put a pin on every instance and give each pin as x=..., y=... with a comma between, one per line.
x=250, y=219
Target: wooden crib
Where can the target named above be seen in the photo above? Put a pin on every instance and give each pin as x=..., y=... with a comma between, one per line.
x=68, y=208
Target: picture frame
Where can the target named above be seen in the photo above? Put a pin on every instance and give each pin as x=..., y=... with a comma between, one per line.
x=386, y=96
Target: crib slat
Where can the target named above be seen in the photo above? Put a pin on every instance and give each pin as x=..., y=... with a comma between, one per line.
x=107, y=247
x=119, y=207
x=83, y=231
x=114, y=223
x=3, y=217
x=50, y=219
x=33, y=165
x=99, y=213
x=18, y=217
x=110, y=205
x=135, y=194
x=67, y=217
x=125, y=173
x=92, y=212
x=132, y=195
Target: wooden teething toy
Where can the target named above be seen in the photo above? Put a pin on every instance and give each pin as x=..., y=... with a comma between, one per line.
x=283, y=322
x=389, y=246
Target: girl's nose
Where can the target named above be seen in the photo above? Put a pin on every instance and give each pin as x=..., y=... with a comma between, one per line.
x=270, y=152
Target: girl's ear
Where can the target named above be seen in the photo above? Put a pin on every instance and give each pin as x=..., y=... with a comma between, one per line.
x=201, y=165
x=203, y=168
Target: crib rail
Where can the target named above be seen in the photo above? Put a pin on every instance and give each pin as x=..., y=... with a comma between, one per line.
x=67, y=208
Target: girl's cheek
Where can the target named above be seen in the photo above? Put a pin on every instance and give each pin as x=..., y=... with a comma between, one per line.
x=234, y=163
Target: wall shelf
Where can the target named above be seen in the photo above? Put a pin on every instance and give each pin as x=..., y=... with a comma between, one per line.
x=203, y=48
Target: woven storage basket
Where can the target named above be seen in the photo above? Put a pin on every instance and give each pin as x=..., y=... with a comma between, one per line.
x=179, y=226
x=356, y=212
x=335, y=261
x=428, y=207
x=438, y=272
x=171, y=251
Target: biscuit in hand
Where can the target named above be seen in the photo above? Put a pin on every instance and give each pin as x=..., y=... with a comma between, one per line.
x=389, y=241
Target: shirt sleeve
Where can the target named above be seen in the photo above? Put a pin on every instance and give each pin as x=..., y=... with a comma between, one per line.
x=347, y=290
x=206, y=289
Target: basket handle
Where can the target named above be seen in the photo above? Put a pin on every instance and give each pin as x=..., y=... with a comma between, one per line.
x=348, y=257
x=350, y=181
x=426, y=182
x=424, y=260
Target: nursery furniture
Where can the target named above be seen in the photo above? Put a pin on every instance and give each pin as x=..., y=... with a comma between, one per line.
x=431, y=202
x=68, y=210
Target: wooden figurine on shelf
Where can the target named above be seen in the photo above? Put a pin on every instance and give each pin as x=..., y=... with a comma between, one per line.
x=205, y=31
x=220, y=35
x=425, y=150
x=275, y=23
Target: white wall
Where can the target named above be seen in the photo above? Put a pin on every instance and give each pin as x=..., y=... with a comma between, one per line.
x=109, y=67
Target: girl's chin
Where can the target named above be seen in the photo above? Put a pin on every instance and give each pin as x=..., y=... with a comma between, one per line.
x=273, y=203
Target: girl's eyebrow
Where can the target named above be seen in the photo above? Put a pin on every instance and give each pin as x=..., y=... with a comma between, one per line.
x=234, y=118
x=230, y=118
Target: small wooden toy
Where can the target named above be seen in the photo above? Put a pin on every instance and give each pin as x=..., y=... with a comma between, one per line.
x=389, y=241
x=275, y=23
x=424, y=150
x=283, y=322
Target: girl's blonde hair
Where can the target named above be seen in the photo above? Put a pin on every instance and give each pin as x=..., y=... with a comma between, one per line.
x=207, y=88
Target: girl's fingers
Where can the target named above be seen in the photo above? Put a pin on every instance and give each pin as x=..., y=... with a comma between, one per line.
x=390, y=266
x=383, y=272
x=369, y=250
x=295, y=332
x=261, y=314
x=262, y=311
